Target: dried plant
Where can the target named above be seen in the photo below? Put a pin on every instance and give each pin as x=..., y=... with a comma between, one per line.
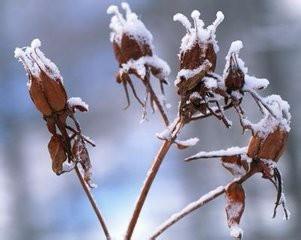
x=67, y=145
x=202, y=93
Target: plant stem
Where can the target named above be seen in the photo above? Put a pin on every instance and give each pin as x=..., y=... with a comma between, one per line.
x=197, y=204
x=93, y=203
x=146, y=186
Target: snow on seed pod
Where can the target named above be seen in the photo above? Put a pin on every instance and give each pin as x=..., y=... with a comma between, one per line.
x=270, y=134
x=235, y=197
x=57, y=152
x=199, y=43
x=45, y=83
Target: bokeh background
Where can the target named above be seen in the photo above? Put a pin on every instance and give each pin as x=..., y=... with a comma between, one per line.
x=35, y=204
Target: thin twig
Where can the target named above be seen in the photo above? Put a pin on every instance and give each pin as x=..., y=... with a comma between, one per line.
x=197, y=204
x=154, y=97
x=93, y=203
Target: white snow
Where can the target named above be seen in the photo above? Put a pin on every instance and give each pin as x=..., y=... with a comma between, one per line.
x=234, y=50
x=130, y=25
x=188, y=73
x=232, y=151
x=139, y=66
x=210, y=83
x=34, y=61
x=188, y=143
x=236, y=169
x=77, y=101
x=198, y=33
x=236, y=231
x=269, y=123
x=252, y=82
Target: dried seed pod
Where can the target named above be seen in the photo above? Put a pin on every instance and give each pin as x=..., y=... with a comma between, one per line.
x=199, y=43
x=234, y=74
x=235, y=197
x=268, y=147
x=271, y=133
x=45, y=82
x=57, y=152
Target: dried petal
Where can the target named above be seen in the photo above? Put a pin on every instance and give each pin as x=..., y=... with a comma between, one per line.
x=235, y=197
x=57, y=153
x=82, y=156
x=268, y=147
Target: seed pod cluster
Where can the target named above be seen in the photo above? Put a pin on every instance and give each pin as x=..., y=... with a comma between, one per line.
x=46, y=89
x=197, y=52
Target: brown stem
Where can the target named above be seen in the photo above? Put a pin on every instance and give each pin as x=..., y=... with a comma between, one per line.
x=146, y=187
x=152, y=172
x=197, y=204
x=93, y=203
x=154, y=97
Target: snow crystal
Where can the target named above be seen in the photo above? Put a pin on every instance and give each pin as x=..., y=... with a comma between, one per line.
x=228, y=152
x=198, y=32
x=210, y=82
x=252, y=82
x=77, y=101
x=236, y=231
x=166, y=134
x=189, y=142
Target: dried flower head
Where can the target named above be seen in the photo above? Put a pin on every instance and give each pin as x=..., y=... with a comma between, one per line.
x=133, y=47
x=271, y=133
x=47, y=91
x=45, y=83
x=199, y=43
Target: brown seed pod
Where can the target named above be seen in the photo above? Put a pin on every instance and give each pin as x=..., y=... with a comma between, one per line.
x=268, y=147
x=45, y=82
x=57, y=153
x=235, y=197
x=235, y=79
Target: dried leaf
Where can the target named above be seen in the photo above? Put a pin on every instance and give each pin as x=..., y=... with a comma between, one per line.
x=235, y=197
x=57, y=153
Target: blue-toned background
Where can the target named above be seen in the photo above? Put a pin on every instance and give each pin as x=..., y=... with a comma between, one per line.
x=35, y=204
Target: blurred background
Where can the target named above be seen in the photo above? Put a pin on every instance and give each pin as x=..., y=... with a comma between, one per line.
x=35, y=204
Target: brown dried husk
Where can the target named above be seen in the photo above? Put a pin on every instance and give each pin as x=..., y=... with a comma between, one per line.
x=195, y=56
x=271, y=147
x=57, y=153
x=130, y=48
x=235, y=80
x=47, y=94
x=235, y=207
